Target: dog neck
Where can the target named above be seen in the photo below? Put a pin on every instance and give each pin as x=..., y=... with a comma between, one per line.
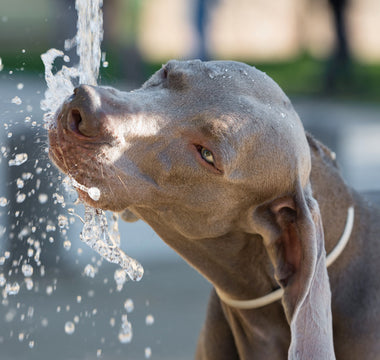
x=277, y=294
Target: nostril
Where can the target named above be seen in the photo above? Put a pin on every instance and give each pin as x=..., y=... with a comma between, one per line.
x=76, y=119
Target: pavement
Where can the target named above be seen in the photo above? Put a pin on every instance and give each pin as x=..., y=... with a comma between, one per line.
x=33, y=321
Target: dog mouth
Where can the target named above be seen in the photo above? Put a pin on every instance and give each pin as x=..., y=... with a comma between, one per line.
x=81, y=158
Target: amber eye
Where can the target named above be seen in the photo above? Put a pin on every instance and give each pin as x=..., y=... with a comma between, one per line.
x=207, y=155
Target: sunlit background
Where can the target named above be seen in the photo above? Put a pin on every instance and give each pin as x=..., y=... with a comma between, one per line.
x=324, y=54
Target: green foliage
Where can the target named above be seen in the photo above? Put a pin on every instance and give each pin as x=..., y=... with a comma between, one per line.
x=308, y=76
x=302, y=76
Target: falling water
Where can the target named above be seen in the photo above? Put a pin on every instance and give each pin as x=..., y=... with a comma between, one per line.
x=60, y=85
x=27, y=274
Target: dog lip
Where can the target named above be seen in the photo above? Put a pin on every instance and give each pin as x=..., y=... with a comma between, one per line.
x=55, y=158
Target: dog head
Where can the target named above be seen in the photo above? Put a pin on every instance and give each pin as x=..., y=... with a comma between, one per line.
x=202, y=151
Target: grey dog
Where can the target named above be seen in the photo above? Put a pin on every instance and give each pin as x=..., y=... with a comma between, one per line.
x=214, y=158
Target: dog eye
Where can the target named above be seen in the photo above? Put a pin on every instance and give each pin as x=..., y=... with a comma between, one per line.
x=207, y=155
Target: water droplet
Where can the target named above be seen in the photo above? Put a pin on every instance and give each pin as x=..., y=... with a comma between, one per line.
x=125, y=333
x=112, y=322
x=12, y=289
x=10, y=315
x=128, y=305
x=67, y=244
x=20, y=198
x=63, y=221
x=120, y=277
x=59, y=198
x=31, y=344
x=50, y=228
x=29, y=283
x=89, y=271
x=16, y=100
x=98, y=353
x=18, y=160
x=20, y=183
x=105, y=64
x=43, y=198
x=148, y=352
x=20, y=86
x=21, y=337
x=94, y=193
x=69, y=327
x=3, y=280
x=3, y=201
x=49, y=290
x=149, y=320
x=30, y=312
x=26, y=175
x=27, y=270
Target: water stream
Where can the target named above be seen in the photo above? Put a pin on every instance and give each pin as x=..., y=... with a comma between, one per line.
x=23, y=272
x=96, y=233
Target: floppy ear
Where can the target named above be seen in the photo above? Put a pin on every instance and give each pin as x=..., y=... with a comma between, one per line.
x=291, y=228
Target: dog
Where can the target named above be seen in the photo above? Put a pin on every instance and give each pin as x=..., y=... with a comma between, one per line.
x=215, y=159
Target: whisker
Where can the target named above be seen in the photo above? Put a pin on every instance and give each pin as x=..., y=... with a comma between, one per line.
x=115, y=170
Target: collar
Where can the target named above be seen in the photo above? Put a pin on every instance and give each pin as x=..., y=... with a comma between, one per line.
x=277, y=294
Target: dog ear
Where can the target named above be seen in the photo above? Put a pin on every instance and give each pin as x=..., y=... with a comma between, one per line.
x=292, y=232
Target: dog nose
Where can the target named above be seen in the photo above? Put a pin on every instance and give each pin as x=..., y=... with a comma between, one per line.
x=84, y=114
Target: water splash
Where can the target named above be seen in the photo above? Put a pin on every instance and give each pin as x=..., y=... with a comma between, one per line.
x=60, y=85
x=96, y=235
x=87, y=41
x=18, y=160
x=100, y=235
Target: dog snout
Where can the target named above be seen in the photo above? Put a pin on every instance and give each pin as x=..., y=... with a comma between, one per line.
x=82, y=112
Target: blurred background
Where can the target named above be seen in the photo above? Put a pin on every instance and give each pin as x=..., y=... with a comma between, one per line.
x=325, y=55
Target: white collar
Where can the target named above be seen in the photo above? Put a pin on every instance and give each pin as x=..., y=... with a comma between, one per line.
x=277, y=294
